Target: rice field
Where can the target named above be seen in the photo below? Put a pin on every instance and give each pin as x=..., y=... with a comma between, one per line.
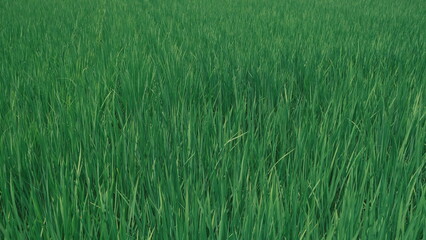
x=185, y=119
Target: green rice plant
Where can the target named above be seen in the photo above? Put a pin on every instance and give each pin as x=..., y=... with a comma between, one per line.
x=241, y=119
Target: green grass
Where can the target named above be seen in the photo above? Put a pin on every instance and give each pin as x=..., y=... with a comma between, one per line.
x=243, y=119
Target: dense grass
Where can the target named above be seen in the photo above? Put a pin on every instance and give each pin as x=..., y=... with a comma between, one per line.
x=242, y=119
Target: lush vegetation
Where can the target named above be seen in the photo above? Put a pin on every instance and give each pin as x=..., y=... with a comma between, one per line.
x=242, y=119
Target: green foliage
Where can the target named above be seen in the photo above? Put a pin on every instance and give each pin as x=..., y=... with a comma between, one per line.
x=243, y=119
